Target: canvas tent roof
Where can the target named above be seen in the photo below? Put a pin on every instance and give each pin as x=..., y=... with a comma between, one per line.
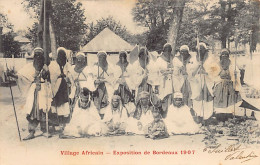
x=107, y=41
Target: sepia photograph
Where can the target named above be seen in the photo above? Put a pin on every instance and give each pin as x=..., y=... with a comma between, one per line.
x=129, y=82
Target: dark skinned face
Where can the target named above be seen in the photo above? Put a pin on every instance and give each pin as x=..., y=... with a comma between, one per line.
x=184, y=53
x=122, y=59
x=178, y=102
x=144, y=101
x=102, y=59
x=38, y=61
x=61, y=60
x=115, y=103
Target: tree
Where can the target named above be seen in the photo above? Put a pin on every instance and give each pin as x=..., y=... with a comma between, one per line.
x=112, y=24
x=247, y=21
x=68, y=20
x=9, y=45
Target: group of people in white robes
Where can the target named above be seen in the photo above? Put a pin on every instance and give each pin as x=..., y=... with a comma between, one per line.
x=156, y=98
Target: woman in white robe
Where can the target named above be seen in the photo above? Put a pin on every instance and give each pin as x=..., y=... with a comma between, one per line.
x=85, y=120
x=143, y=116
x=179, y=119
x=116, y=116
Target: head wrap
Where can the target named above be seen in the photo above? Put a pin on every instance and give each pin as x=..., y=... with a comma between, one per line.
x=184, y=47
x=116, y=97
x=102, y=54
x=144, y=94
x=38, y=58
x=37, y=50
x=61, y=56
x=123, y=54
x=80, y=61
x=177, y=95
x=167, y=45
x=202, y=44
x=143, y=52
x=85, y=93
x=61, y=49
x=225, y=50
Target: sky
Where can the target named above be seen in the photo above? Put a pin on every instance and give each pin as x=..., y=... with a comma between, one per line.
x=94, y=9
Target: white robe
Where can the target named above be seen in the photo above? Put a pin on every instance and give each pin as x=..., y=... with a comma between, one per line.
x=168, y=82
x=145, y=120
x=110, y=77
x=85, y=122
x=137, y=73
x=117, y=117
x=180, y=121
x=55, y=72
x=27, y=87
x=202, y=108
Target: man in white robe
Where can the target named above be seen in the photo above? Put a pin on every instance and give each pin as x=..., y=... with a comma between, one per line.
x=200, y=72
x=105, y=76
x=139, y=74
x=122, y=87
x=33, y=81
x=170, y=75
x=179, y=119
x=82, y=77
x=61, y=82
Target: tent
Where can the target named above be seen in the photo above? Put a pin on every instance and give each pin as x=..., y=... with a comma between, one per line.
x=107, y=41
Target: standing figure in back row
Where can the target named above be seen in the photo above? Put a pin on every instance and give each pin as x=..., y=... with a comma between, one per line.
x=61, y=82
x=105, y=76
x=123, y=90
x=34, y=82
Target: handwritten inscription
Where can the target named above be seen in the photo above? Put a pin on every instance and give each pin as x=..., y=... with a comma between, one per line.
x=235, y=152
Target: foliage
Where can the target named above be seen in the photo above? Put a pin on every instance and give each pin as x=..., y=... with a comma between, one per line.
x=9, y=45
x=111, y=23
x=222, y=20
x=68, y=21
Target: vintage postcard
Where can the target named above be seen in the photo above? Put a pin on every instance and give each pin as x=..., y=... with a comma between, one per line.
x=129, y=82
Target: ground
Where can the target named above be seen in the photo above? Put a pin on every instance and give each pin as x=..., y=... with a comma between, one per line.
x=187, y=149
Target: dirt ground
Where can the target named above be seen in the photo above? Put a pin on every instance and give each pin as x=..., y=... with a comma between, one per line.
x=183, y=149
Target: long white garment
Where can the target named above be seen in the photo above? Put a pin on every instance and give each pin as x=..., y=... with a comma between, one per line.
x=197, y=82
x=84, y=79
x=145, y=120
x=116, y=116
x=168, y=82
x=85, y=122
x=137, y=73
x=110, y=77
x=180, y=121
x=27, y=87
x=55, y=72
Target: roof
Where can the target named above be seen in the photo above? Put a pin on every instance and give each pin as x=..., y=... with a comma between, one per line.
x=22, y=39
x=107, y=41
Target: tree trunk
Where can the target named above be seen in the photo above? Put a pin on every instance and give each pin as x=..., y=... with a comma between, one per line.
x=178, y=8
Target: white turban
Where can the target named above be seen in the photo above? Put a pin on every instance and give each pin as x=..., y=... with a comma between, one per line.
x=177, y=95
x=184, y=47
